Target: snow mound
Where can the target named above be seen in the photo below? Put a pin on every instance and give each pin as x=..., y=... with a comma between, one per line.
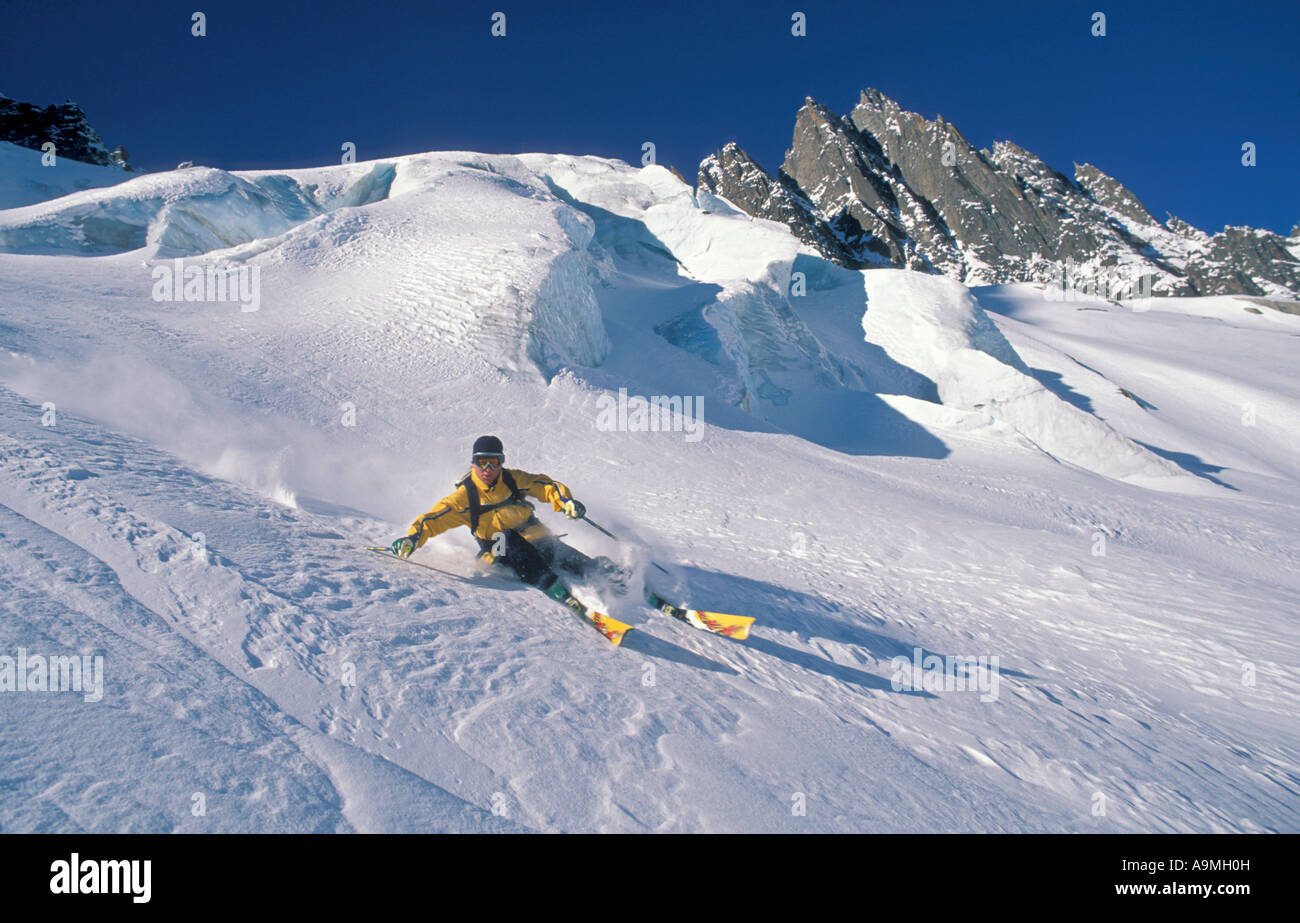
x=468, y=251
x=933, y=325
x=743, y=322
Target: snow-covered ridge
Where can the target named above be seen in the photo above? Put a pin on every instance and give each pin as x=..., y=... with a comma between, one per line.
x=186, y=211
x=429, y=229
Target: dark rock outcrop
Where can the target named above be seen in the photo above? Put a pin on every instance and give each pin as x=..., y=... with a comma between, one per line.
x=64, y=124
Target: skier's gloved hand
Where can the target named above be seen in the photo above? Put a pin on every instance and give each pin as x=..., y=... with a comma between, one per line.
x=403, y=546
x=574, y=509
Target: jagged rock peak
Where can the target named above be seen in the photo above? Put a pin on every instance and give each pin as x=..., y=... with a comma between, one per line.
x=871, y=98
x=1183, y=229
x=1111, y=193
x=64, y=124
x=885, y=186
x=733, y=175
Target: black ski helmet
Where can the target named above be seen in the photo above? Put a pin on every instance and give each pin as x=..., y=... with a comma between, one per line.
x=488, y=445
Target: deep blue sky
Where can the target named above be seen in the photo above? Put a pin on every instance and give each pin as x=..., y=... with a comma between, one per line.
x=1163, y=102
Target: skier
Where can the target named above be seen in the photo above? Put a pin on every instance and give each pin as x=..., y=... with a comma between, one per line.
x=493, y=502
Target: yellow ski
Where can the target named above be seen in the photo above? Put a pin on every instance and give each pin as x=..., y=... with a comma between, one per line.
x=720, y=623
x=610, y=627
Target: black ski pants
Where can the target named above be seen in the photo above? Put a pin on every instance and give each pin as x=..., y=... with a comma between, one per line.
x=537, y=562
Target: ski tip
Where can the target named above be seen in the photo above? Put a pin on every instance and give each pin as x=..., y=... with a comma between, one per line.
x=736, y=632
x=611, y=628
x=735, y=627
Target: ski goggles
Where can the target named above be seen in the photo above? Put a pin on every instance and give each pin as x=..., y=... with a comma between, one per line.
x=488, y=462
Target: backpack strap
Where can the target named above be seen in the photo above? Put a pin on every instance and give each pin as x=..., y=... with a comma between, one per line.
x=471, y=496
x=476, y=507
x=516, y=495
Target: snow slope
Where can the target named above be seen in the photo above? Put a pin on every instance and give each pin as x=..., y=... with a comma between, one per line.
x=893, y=466
x=28, y=181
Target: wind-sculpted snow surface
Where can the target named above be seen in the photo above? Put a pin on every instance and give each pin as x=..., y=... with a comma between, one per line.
x=473, y=248
x=972, y=615
x=478, y=241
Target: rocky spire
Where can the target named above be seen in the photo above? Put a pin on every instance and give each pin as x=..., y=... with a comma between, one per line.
x=733, y=175
x=884, y=186
x=1111, y=193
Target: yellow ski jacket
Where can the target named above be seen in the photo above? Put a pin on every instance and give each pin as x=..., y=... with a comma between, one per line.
x=453, y=510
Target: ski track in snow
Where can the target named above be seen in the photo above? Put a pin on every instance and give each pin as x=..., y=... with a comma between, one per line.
x=480, y=709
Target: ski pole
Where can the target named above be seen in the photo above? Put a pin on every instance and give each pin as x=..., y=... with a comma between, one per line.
x=616, y=538
x=600, y=528
x=383, y=549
